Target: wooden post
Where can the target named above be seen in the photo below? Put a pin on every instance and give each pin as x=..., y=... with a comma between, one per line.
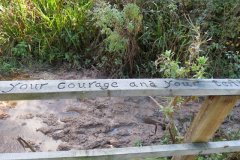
x=212, y=113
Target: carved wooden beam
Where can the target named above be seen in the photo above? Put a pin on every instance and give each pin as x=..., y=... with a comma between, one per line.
x=50, y=89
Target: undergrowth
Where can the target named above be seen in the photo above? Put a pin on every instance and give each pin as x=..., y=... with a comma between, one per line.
x=46, y=31
x=121, y=37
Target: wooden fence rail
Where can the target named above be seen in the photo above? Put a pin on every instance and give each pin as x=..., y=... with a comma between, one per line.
x=50, y=89
x=129, y=153
x=222, y=95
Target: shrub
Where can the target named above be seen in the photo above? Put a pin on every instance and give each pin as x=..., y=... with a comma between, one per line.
x=167, y=28
x=120, y=28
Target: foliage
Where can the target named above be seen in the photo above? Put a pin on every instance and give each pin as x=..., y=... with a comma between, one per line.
x=21, y=50
x=138, y=143
x=223, y=26
x=125, y=37
x=194, y=66
x=120, y=28
x=171, y=68
x=167, y=28
x=7, y=66
x=49, y=31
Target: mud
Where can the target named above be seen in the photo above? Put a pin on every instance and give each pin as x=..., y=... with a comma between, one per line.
x=103, y=123
x=93, y=123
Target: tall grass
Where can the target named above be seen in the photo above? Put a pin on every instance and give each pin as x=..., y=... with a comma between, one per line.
x=52, y=30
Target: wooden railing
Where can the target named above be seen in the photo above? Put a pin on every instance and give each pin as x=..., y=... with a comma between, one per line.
x=222, y=95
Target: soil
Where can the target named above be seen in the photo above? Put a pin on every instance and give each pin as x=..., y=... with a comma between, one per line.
x=51, y=125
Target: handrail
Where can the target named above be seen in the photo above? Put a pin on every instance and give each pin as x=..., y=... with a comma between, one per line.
x=52, y=89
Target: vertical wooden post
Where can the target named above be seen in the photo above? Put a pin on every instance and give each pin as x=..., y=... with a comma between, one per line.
x=212, y=113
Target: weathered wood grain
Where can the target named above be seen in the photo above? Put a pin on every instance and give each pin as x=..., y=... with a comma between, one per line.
x=130, y=152
x=50, y=89
x=211, y=115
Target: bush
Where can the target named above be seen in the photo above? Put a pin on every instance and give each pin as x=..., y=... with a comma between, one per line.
x=120, y=28
x=167, y=28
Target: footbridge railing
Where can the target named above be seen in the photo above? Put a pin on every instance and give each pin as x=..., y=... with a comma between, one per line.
x=221, y=96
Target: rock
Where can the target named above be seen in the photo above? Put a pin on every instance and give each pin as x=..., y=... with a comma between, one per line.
x=64, y=147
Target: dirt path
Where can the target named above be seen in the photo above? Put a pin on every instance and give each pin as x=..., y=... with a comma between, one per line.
x=91, y=123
